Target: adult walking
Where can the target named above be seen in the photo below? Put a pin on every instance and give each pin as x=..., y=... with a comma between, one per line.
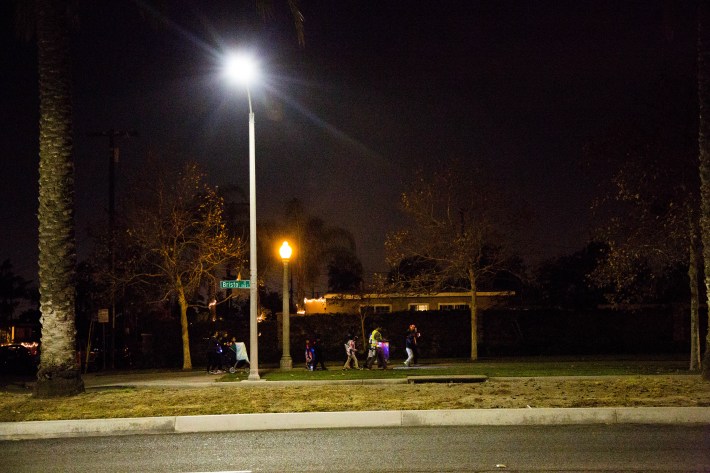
x=376, y=350
x=409, y=344
x=214, y=353
x=318, y=354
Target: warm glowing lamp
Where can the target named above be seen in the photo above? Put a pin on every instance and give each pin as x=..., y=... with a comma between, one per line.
x=286, y=363
x=285, y=251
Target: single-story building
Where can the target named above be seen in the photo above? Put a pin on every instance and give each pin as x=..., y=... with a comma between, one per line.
x=397, y=302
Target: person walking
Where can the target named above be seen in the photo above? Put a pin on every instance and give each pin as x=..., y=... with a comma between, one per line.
x=351, y=352
x=214, y=353
x=318, y=354
x=409, y=344
x=415, y=347
x=376, y=350
x=309, y=356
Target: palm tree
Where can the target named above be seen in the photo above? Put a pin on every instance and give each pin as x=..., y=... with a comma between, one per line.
x=59, y=373
x=316, y=243
x=704, y=153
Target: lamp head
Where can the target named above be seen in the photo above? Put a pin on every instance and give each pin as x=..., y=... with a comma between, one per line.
x=241, y=68
x=285, y=251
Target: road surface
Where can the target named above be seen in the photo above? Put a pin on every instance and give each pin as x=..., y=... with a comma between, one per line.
x=582, y=448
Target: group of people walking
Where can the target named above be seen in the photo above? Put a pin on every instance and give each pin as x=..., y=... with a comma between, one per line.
x=221, y=351
x=376, y=351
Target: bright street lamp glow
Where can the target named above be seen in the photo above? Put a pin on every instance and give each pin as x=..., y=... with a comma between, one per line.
x=285, y=251
x=241, y=68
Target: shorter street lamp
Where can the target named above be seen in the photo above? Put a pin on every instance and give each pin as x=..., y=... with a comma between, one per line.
x=286, y=363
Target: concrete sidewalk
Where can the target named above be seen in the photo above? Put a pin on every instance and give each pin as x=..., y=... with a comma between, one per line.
x=320, y=420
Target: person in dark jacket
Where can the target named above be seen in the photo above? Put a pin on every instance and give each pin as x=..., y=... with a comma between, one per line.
x=214, y=354
x=318, y=354
x=410, y=343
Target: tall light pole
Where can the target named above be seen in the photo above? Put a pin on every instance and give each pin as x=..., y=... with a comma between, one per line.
x=243, y=69
x=113, y=160
x=286, y=362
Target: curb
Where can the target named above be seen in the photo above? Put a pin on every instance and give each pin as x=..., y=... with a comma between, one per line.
x=356, y=419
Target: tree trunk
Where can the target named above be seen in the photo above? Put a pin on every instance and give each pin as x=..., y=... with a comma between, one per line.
x=186, y=359
x=362, y=331
x=474, y=316
x=704, y=157
x=694, y=300
x=59, y=373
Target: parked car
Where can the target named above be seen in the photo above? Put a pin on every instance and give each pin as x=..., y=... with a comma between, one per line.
x=17, y=359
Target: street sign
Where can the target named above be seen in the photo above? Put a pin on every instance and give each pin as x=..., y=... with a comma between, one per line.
x=236, y=284
x=103, y=316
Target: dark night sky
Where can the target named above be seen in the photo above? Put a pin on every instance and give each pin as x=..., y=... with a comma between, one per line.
x=380, y=89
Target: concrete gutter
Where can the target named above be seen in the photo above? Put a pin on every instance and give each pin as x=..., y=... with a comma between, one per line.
x=359, y=419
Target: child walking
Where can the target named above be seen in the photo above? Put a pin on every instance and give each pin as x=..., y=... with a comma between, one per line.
x=309, y=356
x=351, y=353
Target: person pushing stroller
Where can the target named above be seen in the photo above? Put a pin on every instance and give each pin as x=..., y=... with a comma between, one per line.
x=376, y=350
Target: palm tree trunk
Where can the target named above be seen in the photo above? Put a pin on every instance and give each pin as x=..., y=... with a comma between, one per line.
x=704, y=155
x=59, y=373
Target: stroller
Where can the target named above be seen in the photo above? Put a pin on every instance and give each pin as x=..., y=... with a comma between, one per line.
x=236, y=357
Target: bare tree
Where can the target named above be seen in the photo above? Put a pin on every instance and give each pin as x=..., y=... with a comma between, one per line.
x=458, y=229
x=648, y=216
x=175, y=227
x=653, y=227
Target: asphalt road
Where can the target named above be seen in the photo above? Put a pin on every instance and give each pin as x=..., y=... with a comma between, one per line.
x=580, y=448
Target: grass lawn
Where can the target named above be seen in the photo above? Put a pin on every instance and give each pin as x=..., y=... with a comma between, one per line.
x=515, y=384
x=524, y=367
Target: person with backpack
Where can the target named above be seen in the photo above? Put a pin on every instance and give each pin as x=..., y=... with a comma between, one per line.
x=351, y=353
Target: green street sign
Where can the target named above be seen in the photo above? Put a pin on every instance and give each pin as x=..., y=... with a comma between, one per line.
x=236, y=284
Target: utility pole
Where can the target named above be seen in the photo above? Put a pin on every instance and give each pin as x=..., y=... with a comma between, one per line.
x=112, y=161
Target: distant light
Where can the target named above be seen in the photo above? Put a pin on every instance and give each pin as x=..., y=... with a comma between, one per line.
x=317, y=299
x=241, y=69
x=285, y=251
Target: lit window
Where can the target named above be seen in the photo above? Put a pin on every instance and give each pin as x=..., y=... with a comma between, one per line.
x=418, y=307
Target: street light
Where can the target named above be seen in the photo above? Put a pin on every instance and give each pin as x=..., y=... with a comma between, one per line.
x=286, y=362
x=242, y=70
